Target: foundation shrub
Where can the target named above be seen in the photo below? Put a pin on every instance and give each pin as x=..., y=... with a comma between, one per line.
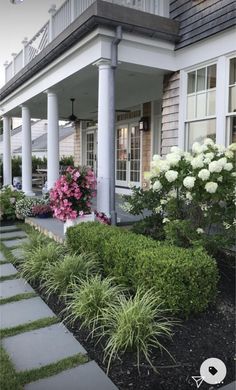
x=186, y=279
x=116, y=248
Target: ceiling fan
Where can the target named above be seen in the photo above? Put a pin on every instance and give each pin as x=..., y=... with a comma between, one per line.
x=72, y=117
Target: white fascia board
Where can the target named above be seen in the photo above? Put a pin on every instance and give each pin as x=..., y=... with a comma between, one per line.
x=205, y=51
x=85, y=53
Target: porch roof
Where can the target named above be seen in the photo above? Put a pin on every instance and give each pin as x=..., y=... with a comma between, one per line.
x=98, y=14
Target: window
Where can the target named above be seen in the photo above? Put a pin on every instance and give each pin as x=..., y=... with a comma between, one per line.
x=201, y=105
x=231, y=118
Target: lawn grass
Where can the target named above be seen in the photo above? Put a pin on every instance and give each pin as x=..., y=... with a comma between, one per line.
x=18, y=297
x=8, y=377
x=9, y=277
x=42, y=323
x=51, y=369
x=7, y=254
x=11, y=380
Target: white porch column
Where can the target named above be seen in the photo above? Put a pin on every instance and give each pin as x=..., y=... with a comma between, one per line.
x=52, y=139
x=26, y=152
x=105, y=127
x=7, y=173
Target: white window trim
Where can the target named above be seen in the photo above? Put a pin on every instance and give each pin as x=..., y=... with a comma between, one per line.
x=222, y=99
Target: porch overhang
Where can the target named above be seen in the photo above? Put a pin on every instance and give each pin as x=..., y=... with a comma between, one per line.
x=99, y=14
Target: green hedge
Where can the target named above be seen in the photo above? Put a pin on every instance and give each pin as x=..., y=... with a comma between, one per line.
x=117, y=248
x=186, y=279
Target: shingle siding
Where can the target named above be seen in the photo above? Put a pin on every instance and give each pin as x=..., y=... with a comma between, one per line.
x=170, y=112
x=200, y=19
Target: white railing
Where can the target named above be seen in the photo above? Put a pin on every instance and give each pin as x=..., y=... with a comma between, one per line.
x=62, y=18
x=9, y=71
x=37, y=43
x=66, y=14
x=18, y=60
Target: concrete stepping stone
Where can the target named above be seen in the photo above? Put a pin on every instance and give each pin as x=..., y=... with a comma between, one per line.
x=8, y=228
x=18, y=253
x=88, y=376
x=41, y=347
x=2, y=257
x=13, y=243
x=9, y=288
x=23, y=312
x=7, y=235
x=7, y=269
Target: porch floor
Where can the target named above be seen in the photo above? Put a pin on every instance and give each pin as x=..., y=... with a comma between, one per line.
x=54, y=228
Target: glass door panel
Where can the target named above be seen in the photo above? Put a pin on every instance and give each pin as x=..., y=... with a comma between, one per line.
x=91, y=151
x=134, y=155
x=122, y=156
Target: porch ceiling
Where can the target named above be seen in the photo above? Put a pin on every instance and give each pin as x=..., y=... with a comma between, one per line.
x=134, y=85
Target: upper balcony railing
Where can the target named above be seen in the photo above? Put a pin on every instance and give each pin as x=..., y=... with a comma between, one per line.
x=62, y=18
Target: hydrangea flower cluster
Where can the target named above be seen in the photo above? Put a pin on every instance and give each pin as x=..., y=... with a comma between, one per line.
x=72, y=193
x=203, y=179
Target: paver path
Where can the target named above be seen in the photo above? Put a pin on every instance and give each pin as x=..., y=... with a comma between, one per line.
x=45, y=345
x=7, y=270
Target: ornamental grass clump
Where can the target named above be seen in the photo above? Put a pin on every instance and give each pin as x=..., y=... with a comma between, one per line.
x=72, y=193
x=89, y=300
x=59, y=275
x=36, y=239
x=136, y=324
x=34, y=265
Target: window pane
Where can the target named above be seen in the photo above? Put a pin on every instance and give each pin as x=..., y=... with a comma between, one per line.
x=201, y=75
x=201, y=105
x=191, y=107
x=232, y=73
x=232, y=99
x=191, y=82
x=211, y=102
x=211, y=76
x=198, y=131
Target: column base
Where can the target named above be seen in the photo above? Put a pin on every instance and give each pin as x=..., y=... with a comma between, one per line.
x=29, y=193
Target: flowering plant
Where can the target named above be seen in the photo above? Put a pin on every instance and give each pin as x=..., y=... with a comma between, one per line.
x=8, y=199
x=197, y=187
x=24, y=207
x=72, y=193
x=43, y=209
x=102, y=217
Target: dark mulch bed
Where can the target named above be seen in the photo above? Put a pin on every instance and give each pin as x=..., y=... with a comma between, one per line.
x=210, y=334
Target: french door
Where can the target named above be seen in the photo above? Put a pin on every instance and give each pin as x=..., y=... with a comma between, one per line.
x=91, y=150
x=128, y=155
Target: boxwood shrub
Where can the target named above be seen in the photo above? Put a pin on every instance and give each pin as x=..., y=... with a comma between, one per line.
x=117, y=248
x=186, y=279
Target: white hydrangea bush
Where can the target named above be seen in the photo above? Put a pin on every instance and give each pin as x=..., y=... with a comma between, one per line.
x=199, y=186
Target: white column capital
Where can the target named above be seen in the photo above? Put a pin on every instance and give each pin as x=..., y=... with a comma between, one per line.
x=50, y=92
x=103, y=63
